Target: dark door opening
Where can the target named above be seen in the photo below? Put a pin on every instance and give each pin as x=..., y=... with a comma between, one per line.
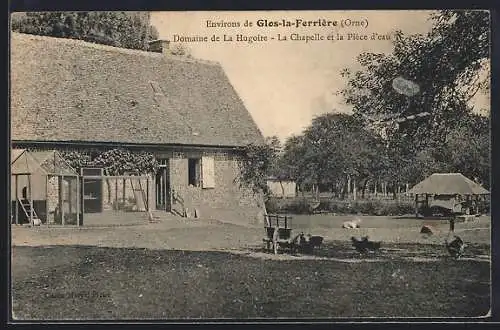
x=92, y=190
x=162, y=189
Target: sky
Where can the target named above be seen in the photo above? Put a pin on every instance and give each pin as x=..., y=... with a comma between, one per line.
x=285, y=83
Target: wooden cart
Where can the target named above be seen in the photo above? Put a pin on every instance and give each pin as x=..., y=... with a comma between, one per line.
x=278, y=233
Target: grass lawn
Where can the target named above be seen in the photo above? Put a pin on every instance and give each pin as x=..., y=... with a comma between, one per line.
x=122, y=283
x=168, y=271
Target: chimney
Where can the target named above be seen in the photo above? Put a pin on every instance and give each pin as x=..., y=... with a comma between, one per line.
x=159, y=46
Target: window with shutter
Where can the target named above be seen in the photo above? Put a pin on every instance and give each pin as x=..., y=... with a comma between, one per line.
x=208, y=172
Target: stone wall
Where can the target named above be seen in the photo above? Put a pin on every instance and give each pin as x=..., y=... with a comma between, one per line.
x=226, y=201
x=52, y=198
x=69, y=196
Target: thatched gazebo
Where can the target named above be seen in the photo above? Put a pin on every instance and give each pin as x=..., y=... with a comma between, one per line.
x=450, y=189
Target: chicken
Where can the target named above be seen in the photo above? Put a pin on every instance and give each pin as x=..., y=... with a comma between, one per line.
x=297, y=242
x=315, y=241
x=351, y=224
x=364, y=245
x=455, y=247
x=307, y=243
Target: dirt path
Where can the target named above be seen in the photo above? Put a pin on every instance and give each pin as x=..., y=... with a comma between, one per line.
x=399, y=243
x=181, y=235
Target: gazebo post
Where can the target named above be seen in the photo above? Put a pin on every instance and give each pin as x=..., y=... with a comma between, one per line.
x=47, y=200
x=17, y=198
x=31, y=199
x=476, y=211
x=61, y=198
x=83, y=197
x=416, y=205
x=77, y=201
x=70, y=197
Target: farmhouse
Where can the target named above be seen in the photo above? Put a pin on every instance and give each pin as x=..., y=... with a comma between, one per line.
x=70, y=95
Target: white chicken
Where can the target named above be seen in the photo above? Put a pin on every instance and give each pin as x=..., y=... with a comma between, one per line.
x=352, y=224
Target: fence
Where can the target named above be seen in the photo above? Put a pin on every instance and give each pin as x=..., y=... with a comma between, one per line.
x=389, y=197
x=115, y=200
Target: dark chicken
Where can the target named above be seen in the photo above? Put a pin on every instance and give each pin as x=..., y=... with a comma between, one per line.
x=455, y=247
x=307, y=243
x=364, y=245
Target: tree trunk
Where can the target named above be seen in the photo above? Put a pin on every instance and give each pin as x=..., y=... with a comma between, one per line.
x=349, y=186
x=364, y=189
x=344, y=189
x=354, y=189
x=282, y=190
x=375, y=188
x=416, y=205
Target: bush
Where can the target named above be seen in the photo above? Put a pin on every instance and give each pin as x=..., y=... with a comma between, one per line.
x=299, y=206
x=484, y=207
x=398, y=209
x=370, y=207
x=289, y=205
x=272, y=206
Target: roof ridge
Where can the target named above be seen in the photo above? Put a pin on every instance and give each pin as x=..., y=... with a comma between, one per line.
x=116, y=49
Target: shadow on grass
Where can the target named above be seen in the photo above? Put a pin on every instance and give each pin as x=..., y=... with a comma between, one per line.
x=390, y=251
x=98, y=283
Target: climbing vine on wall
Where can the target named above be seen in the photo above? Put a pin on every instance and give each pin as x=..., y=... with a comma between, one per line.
x=116, y=161
x=255, y=165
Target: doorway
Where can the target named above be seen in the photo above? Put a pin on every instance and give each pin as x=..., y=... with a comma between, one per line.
x=162, y=184
x=92, y=185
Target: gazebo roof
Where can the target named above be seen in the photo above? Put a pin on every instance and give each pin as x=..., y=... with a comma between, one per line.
x=15, y=153
x=22, y=162
x=43, y=162
x=448, y=184
x=53, y=162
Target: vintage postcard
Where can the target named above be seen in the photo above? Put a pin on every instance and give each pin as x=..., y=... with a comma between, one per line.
x=256, y=165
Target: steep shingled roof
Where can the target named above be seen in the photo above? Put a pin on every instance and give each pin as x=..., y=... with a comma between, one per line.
x=70, y=90
x=448, y=184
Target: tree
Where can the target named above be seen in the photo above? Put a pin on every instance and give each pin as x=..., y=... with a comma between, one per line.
x=447, y=64
x=120, y=29
x=257, y=163
x=468, y=148
x=333, y=149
